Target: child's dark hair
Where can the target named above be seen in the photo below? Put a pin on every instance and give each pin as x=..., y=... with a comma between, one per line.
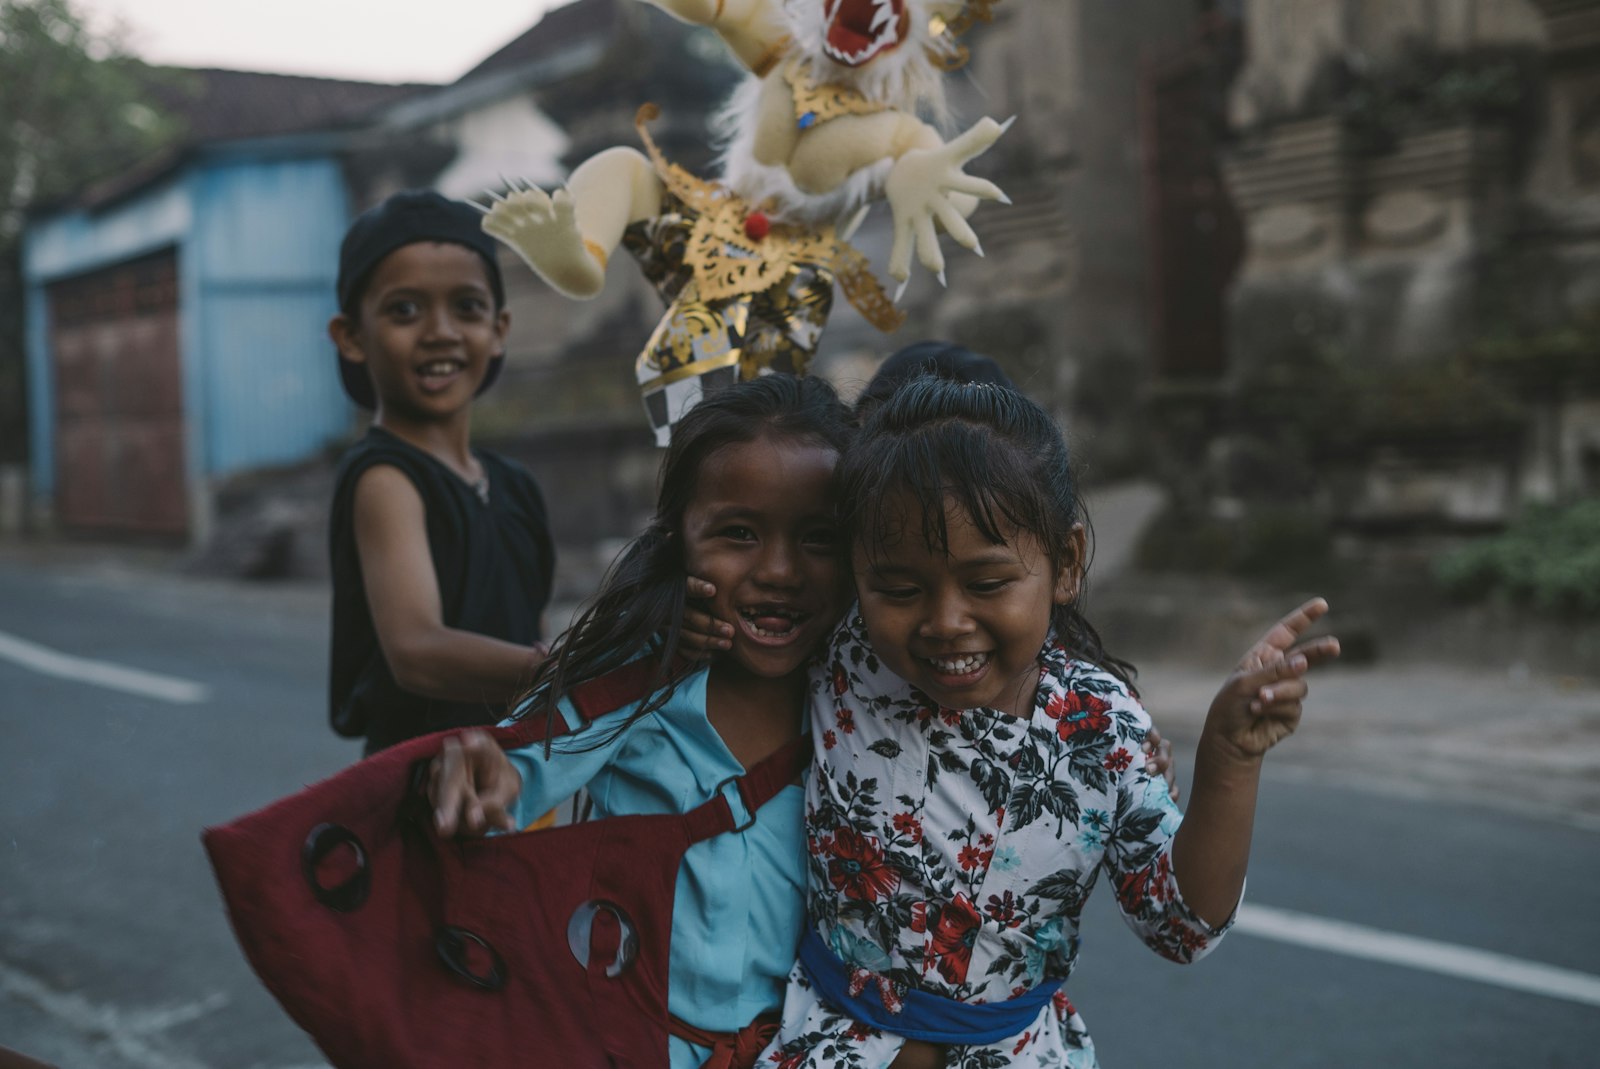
x=641, y=601
x=997, y=454
x=943, y=359
x=405, y=218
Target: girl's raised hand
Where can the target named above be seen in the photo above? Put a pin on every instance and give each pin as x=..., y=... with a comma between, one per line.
x=1260, y=704
x=1283, y=639
x=703, y=634
x=471, y=785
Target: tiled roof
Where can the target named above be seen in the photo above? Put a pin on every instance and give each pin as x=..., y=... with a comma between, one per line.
x=560, y=28
x=223, y=105
x=219, y=105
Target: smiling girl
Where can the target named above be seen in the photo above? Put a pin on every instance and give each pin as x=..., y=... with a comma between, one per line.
x=745, y=501
x=975, y=767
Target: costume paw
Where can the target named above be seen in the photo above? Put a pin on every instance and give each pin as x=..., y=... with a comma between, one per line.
x=533, y=222
x=929, y=184
x=543, y=229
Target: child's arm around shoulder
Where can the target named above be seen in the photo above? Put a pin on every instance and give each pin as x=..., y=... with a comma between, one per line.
x=1258, y=707
x=426, y=657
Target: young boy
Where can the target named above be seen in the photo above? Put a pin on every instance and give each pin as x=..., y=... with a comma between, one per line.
x=442, y=555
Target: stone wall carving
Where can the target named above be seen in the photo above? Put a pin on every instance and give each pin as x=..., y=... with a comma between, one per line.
x=1405, y=250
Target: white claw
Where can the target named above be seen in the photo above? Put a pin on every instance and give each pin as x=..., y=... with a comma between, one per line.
x=942, y=282
x=977, y=247
x=1007, y=124
x=493, y=195
x=508, y=183
x=1004, y=199
x=481, y=208
x=855, y=222
x=900, y=290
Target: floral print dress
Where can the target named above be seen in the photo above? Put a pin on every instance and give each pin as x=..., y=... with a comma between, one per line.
x=952, y=851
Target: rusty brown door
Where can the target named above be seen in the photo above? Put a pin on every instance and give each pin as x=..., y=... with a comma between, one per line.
x=119, y=400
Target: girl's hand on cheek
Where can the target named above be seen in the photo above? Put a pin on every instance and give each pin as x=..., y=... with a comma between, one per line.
x=1158, y=760
x=703, y=634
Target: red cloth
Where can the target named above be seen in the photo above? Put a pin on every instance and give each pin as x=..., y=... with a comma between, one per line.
x=11, y=1059
x=370, y=983
x=729, y=1050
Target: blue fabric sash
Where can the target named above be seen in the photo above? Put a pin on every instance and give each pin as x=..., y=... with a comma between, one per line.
x=926, y=1016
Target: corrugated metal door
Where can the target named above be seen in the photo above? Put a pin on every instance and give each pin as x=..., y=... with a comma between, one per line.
x=119, y=400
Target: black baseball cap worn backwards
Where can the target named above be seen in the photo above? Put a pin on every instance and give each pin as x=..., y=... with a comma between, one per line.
x=405, y=219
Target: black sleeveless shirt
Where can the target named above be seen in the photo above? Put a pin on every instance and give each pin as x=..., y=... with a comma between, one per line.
x=494, y=563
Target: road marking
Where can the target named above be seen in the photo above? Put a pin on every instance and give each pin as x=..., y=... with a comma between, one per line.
x=127, y=1033
x=51, y=662
x=1448, y=959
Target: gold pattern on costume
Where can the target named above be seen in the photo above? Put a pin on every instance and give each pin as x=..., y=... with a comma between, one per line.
x=815, y=104
x=708, y=228
x=697, y=193
x=863, y=290
x=728, y=263
x=739, y=306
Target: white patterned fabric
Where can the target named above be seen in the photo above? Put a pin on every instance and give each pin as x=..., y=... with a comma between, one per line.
x=952, y=851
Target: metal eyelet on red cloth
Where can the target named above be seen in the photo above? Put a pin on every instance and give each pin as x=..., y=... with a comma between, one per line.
x=323, y=840
x=581, y=930
x=418, y=950
x=451, y=944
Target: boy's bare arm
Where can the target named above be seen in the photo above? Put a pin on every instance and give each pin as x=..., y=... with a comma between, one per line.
x=425, y=656
x=1258, y=706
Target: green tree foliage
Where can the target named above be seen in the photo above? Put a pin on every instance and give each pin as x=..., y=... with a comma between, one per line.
x=75, y=108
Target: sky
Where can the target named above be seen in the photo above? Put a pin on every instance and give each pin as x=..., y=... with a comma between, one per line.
x=366, y=40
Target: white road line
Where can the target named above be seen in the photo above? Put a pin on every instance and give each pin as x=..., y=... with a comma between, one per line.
x=128, y=1033
x=51, y=662
x=1448, y=959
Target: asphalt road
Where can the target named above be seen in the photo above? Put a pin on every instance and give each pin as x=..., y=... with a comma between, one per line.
x=115, y=953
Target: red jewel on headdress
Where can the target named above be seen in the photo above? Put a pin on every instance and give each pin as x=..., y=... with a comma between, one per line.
x=757, y=226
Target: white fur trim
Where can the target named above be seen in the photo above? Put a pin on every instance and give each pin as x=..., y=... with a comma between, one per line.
x=759, y=183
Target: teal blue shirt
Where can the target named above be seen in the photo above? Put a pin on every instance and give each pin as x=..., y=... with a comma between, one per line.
x=737, y=918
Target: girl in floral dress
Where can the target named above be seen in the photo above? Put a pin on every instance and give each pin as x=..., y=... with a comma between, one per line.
x=977, y=761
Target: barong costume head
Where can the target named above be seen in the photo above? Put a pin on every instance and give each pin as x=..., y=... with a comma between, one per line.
x=748, y=263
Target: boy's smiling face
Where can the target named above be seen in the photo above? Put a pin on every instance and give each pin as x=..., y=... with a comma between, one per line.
x=761, y=528
x=965, y=627
x=426, y=330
